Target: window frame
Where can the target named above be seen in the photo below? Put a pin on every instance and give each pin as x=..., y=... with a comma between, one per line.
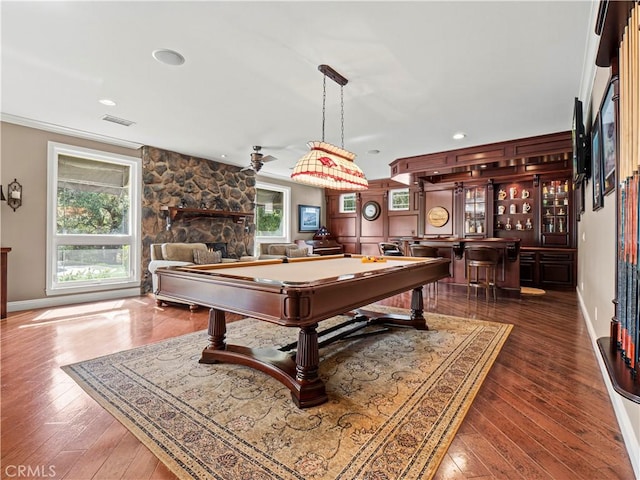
x=345, y=196
x=54, y=239
x=286, y=220
x=392, y=192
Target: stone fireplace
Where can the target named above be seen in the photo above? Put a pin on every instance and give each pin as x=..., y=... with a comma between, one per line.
x=171, y=179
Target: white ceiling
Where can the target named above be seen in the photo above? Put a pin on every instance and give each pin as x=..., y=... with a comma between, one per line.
x=417, y=71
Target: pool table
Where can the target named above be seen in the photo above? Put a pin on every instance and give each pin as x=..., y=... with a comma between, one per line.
x=299, y=293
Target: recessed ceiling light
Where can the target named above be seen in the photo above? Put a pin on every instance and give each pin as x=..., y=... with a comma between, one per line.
x=168, y=57
x=107, y=102
x=459, y=136
x=483, y=166
x=224, y=155
x=435, y=172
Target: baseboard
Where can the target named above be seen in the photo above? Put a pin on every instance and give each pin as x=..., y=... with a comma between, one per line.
x=631, y=442
x=70, y=299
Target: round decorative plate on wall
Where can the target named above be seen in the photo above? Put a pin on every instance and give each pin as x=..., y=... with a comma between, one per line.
x=371, y=210
x=438, y=216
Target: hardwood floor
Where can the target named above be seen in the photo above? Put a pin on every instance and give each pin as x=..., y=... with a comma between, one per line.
x=542, y=413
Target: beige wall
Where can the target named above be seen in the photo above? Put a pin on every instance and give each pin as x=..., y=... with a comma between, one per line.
x=597, y=275
x=24, y=157
x=300, y=195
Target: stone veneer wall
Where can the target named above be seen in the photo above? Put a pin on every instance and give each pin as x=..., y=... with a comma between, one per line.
x=170, y=178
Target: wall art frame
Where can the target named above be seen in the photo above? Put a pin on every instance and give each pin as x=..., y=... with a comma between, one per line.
x=308, y=218
x=596, y=165
x=609, y=134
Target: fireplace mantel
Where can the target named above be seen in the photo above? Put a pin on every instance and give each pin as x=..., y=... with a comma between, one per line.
x=176, y=213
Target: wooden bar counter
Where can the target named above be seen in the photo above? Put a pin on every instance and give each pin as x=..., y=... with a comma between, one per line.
x=508, y=275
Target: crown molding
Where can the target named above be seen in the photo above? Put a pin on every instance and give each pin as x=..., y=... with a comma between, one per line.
x=50, y=127
x=589, y=62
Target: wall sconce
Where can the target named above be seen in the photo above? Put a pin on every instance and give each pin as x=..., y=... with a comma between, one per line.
x=14, y=194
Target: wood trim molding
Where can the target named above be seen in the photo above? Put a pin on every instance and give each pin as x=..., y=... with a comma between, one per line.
x=547, y=152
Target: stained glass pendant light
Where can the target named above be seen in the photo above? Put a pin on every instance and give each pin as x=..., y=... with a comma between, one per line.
x=326, y=165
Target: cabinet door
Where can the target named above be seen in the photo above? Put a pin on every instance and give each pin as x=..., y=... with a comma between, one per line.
x=475, y=211
x=528, y=265
x=556, y=269
x=556, y=210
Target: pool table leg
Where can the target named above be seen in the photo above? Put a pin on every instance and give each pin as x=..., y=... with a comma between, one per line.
x=299, y=376
x=417, y=309
x=217, y=329
x=415, y=320
x=310, y=389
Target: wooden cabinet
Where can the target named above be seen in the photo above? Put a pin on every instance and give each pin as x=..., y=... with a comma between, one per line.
x=528, y=268
x=475, y=211
x=548, y=267
x=556, y=213
x=515, y=211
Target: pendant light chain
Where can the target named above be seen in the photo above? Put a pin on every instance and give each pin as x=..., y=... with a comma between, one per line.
x=342, y=114
x=326, y=165
x=324, y=100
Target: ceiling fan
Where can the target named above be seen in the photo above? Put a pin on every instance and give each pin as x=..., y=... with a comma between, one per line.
x=258, y=159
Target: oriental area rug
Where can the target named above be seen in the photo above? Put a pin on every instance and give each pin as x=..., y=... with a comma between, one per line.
x=395, y=403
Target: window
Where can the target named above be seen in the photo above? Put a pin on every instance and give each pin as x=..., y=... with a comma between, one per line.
x=399, y=199
x=93, y=220
x=347, y=203
x=272, y=213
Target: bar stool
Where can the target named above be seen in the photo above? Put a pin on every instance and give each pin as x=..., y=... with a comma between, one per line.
x=481, y=260
x=418, y=250
x=390, y=249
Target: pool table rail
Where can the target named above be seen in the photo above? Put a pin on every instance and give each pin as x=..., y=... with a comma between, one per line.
x=295, y=304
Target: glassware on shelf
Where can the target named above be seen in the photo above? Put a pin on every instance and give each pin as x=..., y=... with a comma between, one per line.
x=475, y=210
x=556, y=207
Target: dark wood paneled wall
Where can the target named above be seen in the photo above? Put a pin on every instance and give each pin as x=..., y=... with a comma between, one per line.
x=359, y=235
x=527, y=160
x=440, y=198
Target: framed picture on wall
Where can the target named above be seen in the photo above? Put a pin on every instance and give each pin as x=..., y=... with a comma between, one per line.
x=308, y=218
x=596, y=164
x=609, y=134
